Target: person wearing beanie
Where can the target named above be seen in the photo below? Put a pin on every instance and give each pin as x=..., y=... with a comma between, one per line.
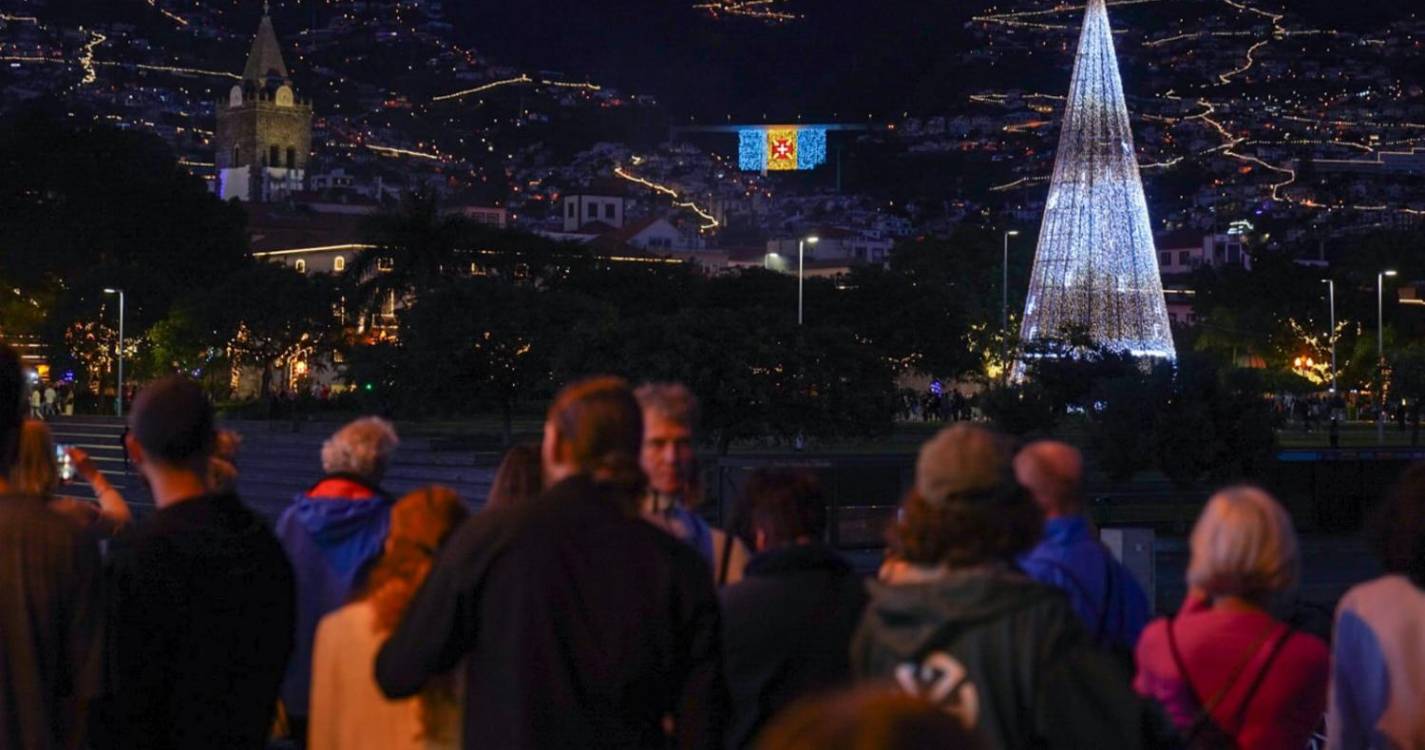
x=956, y=623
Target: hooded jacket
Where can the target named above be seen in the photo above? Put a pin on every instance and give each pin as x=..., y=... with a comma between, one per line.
x=1004, y=653
x=330, y=533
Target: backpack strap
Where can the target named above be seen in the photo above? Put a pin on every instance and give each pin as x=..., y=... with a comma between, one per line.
x=1203, y=720
x=726, y=560
x=1288, y=630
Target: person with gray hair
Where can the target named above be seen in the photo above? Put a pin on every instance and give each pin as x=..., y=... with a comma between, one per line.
x=1224, y=669
x=331, y=532
x=670, y=419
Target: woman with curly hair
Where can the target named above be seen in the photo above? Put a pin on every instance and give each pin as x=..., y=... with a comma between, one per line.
x=347, y=708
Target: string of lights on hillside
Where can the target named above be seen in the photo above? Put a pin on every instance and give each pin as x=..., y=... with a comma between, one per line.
x=168, y=14
x=709, y=221
x=86, y=58
x=517, y=80
x=759, y=9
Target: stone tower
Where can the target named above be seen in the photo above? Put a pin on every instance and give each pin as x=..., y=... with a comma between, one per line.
x=264, y=131
x=1096, y=269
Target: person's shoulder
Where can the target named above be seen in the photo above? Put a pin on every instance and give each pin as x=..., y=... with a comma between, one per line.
x=1308, y=649
x=1383, y=593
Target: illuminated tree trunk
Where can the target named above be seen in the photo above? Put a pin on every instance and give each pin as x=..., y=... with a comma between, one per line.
x=1096, y=269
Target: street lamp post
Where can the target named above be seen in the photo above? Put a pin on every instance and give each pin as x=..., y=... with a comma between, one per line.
x=119, y=393
x=1004, y=284
x=1331, y=298
x=1380, y=354
x=801, y=247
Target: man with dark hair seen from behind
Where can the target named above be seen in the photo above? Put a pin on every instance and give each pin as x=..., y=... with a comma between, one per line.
x=1070, y=557
x=787, y=625
x=202, y=597
x=579, y=624
x=49, y=603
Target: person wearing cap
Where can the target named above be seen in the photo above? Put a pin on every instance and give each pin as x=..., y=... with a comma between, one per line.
x=1070, y=556
x=201, y=597
x=955, y=622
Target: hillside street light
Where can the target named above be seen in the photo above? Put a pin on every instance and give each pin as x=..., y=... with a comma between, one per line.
x=1331, y=298
x=119, y=393
x=1380, y=354
x=1004, y=286
x=801, y=248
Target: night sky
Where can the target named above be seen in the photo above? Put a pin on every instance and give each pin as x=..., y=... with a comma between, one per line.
x=840, y=57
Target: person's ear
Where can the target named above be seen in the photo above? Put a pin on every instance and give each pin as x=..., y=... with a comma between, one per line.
x=136, y=455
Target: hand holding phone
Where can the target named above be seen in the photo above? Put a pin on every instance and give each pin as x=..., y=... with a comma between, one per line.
x=66, y=464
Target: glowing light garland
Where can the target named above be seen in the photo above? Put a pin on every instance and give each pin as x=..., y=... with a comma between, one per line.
x=1096, y=268
x=86, y=60
x=517, y=80
x=709, y=221
x=760, y=9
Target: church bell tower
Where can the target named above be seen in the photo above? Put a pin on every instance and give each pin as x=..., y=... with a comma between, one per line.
x=264, y=131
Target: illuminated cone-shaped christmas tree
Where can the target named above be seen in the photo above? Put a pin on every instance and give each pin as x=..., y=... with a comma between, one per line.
x=1096, y=269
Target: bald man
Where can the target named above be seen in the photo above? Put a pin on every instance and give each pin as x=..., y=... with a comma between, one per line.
x=1070, y=557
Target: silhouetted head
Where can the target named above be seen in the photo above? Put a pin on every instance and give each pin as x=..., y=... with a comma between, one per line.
x=595, y=429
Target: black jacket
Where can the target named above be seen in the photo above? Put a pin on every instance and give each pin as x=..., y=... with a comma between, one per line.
x=50, y=613
x=1004, y=652
x=787, y=630
x=201, y=628
x=580, y=624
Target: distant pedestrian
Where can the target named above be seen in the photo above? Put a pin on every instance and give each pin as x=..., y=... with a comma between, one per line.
x=1070, y=557
x=954, y=622
x=37, y=410
x=331, y=532
x=787, y=625
x=348, y=711
x=518, y=479
x=50, y=603
x=1223, y=668
x=51, y=401
x=1378, y=646
x=579, y=624
x=670, y=417
x=202, y=596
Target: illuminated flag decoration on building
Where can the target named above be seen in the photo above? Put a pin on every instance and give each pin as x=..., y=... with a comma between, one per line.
x=777, y=149
x=1096, y=269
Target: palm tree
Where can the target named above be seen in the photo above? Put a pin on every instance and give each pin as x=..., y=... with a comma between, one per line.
x=413, y=250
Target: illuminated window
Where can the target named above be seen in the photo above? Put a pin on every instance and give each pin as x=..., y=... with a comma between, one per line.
x=339, y=264
x=301, y=266
x=385, y=264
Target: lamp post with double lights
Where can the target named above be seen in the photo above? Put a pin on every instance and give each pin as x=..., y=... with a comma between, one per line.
x=1380, y=354
x=119, y=393
x=1331, y=300
x=1004, y=285
x=801, y=249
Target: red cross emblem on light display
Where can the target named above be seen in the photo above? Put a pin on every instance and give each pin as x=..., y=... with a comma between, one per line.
x=782, y=149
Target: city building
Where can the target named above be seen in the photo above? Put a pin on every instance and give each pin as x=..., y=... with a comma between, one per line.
x=264, y=133
x=582, y=209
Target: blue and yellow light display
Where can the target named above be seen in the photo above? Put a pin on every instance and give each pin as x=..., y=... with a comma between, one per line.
x=780, y=148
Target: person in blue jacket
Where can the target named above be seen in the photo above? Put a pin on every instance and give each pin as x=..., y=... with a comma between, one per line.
x=330, y=533
x=1070, y=556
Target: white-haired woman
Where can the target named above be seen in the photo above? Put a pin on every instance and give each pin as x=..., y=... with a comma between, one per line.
x=331, y=532
x=1225, y=670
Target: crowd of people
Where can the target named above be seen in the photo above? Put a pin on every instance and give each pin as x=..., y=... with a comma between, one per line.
x=588, y=603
